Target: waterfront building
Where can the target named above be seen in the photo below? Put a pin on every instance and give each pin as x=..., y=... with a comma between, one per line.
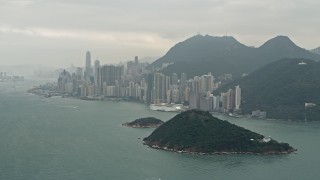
x=216, y=103
x=237, y=98
x=160, y=88
x=230, y=100
x=204, y=103
x=194, y=102
x=187, y=94
x=97, y=77
x=182, y=87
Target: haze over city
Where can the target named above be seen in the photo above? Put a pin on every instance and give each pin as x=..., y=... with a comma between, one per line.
x=58, y=33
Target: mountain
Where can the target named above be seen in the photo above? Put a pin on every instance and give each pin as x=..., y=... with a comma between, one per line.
x=196, y=131
x=281, y=89
x=199, y=55
x=316, y=50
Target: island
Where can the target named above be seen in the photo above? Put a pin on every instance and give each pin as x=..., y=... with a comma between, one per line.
x=148, y=122
x=196, y=131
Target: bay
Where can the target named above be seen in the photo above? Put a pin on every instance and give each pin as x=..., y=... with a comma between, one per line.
x=63, y=138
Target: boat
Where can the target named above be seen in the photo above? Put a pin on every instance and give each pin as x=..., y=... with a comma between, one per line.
x=167, y=107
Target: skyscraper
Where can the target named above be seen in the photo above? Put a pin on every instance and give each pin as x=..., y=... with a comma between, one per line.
x=207, y=83
x=87, y=72
x=157, y=88
x=174, y=79
x=182, y=87
x=160, y=88
x=97, y=77
x=230, y=100
x=238, y=97
x=110, y=73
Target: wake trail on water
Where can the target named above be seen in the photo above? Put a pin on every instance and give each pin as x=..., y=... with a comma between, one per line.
x=74, y=107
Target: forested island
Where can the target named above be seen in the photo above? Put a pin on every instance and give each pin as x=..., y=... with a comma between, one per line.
x=148, y=122
x=196, y=131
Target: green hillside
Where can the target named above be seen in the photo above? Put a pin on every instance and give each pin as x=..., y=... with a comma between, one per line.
x=282, y=88
x=199, y=132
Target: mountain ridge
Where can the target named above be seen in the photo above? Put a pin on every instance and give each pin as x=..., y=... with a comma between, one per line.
x=226, y=55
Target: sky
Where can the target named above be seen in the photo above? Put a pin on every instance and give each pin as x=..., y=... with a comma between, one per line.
x=59, y=32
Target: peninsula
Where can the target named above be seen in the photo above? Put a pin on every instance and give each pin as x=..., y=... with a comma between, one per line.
x=148, y=122
x=196, y=131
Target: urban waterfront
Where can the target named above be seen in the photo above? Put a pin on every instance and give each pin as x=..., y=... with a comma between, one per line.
x=62, y=138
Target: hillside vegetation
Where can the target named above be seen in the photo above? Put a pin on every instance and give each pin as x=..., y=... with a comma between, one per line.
x=198, y=131
x=199, y=55
x=282, y=88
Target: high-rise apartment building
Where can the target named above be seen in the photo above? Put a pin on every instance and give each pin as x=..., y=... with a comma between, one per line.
x=97, y=78
x=174, y=79
x=160, y=87
x=230, y=100
x=238, y=97
x=110, y=73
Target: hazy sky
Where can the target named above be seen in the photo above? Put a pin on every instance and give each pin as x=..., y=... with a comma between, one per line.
x=58, y=32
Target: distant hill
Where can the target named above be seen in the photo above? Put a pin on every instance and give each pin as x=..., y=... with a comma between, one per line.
x=316, y=50
x=202, y=54
x=196, y=131
x=282, y=88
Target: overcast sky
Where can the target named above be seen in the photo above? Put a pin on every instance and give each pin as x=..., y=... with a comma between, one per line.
x=58, y=32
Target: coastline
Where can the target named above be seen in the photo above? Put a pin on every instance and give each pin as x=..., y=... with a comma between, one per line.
x=219, y=153
x=136, y=101
x=140, y=127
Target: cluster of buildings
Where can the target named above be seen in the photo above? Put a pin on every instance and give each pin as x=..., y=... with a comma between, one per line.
x=105, y=80
x=227, y=102
x=195, y=92
x=132, y=81
x=5, y=77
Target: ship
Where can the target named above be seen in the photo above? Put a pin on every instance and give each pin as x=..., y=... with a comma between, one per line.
x=167, y=107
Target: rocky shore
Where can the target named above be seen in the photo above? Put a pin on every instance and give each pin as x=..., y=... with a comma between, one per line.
x=219, y=152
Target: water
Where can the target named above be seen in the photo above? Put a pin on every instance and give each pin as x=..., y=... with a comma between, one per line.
x=61, y=138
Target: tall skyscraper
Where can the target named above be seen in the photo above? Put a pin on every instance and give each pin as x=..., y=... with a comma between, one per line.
x=160, y=88
x=136, y=60
x=238, y=97
x=207, y=83
x=230, y=100
x=97, y=77
x=87, y=72
x=110, y=73
x=157, y=88
x=182, y=87
x=174, y=79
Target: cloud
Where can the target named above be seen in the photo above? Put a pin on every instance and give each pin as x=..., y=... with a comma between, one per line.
x=133, y=38
x=147, y=27
x=22, y=2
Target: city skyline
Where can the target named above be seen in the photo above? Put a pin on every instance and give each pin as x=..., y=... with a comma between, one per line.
x=118, y=30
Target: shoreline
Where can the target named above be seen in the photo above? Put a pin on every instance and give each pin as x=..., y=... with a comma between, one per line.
x=218, y=153
x=135, y=101
x=140, y=127
x=262, y=119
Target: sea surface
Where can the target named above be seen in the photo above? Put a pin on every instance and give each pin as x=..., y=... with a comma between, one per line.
x=69, y=139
